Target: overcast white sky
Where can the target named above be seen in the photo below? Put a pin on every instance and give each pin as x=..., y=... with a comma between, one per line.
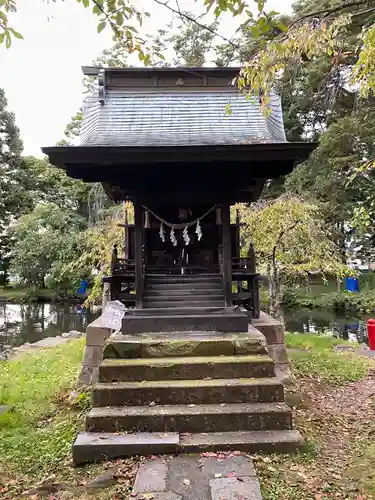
x=41, y=75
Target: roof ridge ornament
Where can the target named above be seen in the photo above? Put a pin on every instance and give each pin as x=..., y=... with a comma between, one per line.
x=102, y=86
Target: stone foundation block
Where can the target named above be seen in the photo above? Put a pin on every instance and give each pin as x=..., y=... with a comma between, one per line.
x=96, y=336
x=92, y=358
x=271, y=328
x=278, y=353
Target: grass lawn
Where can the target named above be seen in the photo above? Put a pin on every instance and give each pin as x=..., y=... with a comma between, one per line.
x=36, y=435
x=332, y=397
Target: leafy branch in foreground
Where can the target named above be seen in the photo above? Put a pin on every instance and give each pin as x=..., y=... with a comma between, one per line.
x=315, y=32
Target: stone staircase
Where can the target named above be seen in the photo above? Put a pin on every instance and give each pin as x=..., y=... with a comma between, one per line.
x=184, y=302
x=184, y=291
x=189, y=392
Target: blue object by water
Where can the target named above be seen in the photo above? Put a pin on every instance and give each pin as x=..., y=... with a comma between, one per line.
x=351, y=284
x=82, y=287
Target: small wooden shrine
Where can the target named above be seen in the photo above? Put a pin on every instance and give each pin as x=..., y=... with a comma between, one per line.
x=161, y=138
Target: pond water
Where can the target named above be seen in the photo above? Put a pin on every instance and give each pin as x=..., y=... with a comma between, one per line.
x=328, y=322
x=20, y=323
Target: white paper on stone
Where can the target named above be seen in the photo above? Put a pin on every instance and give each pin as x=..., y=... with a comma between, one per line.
x=113, y=314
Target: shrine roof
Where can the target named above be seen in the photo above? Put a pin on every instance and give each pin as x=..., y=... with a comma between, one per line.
x=176, y=107
x=149, y=132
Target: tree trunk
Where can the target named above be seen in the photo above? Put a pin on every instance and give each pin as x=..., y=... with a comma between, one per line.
x=274, y=290
x=41, y=282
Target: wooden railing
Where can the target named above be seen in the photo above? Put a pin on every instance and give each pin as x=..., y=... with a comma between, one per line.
x=123, y=277
x=124, y=267
x=243, y=263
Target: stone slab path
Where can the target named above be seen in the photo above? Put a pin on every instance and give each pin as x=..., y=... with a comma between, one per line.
x=209, y=476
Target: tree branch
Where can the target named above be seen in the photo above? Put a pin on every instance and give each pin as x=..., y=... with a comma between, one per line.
x=363, y=12
x=192, y=20
x=106, y=15
x=282, y=233
x=327, y=12
x=112, y=24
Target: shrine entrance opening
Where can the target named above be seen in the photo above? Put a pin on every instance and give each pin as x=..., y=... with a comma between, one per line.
x=182, y=239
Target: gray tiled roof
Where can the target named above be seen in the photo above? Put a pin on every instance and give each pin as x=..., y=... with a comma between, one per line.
x=178, y=118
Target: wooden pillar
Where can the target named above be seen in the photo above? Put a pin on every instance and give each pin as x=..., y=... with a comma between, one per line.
x=126, y=234
x=138, y=230
x=227, y=255
x=238, y=243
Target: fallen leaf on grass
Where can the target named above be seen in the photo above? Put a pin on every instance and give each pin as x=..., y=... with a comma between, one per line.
x=336, y=476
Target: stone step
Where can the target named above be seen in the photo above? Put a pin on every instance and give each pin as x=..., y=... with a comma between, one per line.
x=181, y=368
x=184, y=419
x=205, y=292
x=184, y=303
x=185, y=344
x=234, y=321
x=185, y=392
x=180, y=309
x=276, y=441
x=185, y=280
x=193, y=285
x=93, y=446
x=186, y=276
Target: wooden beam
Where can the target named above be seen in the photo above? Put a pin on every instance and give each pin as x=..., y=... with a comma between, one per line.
x=126, y=233
x=138, y=223
x=227, y=254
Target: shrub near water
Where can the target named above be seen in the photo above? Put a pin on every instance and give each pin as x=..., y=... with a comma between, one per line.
x=363, y=302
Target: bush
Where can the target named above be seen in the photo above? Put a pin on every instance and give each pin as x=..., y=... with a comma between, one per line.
x=346, y=302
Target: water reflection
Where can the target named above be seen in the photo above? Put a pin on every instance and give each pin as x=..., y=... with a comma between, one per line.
x=327, y=322
x=20, y=323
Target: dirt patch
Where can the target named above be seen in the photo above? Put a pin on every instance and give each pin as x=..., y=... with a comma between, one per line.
x=338, y=424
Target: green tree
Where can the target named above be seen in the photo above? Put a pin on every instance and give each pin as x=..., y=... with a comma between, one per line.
x=331, y=174
x=192, y=43
x=45, y=240
x=96, y=244
x=291, y=241
x=40, y=182
x=10, y=159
